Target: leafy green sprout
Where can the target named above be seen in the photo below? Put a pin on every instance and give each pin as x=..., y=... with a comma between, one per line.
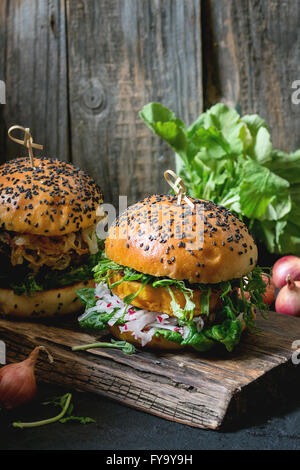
x=65, y=403
x=126, y=347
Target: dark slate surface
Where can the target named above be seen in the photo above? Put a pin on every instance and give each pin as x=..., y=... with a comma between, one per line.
x=119, y=428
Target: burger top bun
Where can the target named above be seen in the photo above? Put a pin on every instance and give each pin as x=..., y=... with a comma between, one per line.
x=206, y=244
x=52, y=199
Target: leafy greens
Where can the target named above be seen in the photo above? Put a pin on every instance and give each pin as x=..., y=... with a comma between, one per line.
x=227, y=327
x=65, y=403
x=23, y=280
x=229, y=160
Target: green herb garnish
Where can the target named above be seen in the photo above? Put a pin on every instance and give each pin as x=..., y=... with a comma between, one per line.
x=64, y=402
x=126, y=347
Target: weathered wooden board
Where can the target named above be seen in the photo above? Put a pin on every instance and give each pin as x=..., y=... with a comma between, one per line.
x=34, y=67
x=251, y=58
x=123, y=54
x=204, y=391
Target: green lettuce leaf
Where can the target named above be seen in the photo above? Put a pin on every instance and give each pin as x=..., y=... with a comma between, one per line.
x=263, y=195
x=87, y=296
x=227, y=329
x=229, y=160
x=260, y=148
x=95, y=320
x=165, y=124
x=198, y=340
x=228, y=333
x=169, y=335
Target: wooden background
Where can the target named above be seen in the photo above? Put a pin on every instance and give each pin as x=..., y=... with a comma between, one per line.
x=78, y=71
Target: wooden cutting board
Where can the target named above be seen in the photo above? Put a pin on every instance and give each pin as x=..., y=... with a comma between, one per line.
x=201, y=390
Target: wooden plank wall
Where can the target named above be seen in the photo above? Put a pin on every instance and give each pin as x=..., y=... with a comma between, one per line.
x=123, y=54
x=36, y=74
x=251, y=58
x=78, y=71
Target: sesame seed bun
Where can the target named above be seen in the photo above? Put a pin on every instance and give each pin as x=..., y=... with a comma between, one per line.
x=54, y=198
x=206, y=244
x=43, y=304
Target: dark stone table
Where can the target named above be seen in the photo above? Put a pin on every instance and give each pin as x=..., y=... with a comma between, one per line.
x=118, y=428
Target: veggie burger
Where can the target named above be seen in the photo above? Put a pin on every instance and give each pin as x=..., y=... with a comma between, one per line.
x=176, y=276
x=48, y=244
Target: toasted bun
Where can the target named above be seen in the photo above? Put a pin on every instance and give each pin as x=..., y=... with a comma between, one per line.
x=158, y=299
x=48, y=303
x=52, y=199
x=207, y=244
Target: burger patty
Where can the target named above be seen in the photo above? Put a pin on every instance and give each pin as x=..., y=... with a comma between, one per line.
x=157, y=299
x=55, y=252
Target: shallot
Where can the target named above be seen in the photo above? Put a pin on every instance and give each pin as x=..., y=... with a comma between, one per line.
x=17, y=380
x=284, y=266
x=288, y=298
x=269, y=294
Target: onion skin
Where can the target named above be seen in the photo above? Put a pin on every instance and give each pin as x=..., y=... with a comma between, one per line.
x=18, y=382
x=284, y=266
x=288, y=298
x=269, y=295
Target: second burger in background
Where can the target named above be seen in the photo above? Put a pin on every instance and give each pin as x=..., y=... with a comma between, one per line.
x=48, y=243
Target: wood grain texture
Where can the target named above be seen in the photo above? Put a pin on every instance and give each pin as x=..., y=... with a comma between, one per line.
x=251, y=57
x=35, y=74
x=123, y=54
x=3, y=133
x=201, y=390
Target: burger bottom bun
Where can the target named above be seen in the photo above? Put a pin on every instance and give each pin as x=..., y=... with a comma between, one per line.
x=157, y=342
x=43, y=304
